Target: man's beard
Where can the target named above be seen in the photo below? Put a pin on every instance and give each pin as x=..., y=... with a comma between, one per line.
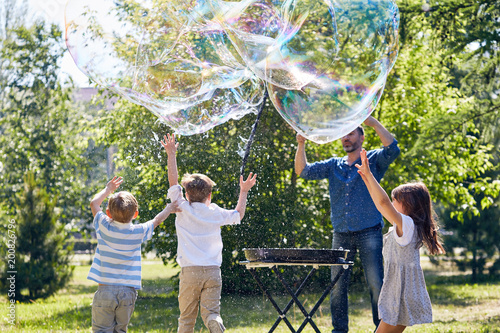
x=353, y=147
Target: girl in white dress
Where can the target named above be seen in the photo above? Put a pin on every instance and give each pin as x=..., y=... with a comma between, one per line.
x=403, y=300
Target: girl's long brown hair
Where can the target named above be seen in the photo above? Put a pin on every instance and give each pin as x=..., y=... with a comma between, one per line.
x=416, y=201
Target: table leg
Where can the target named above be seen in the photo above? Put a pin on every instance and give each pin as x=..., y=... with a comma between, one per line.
x=299, y=304
x=318, y=303
x=290, y=303
x=282, y=314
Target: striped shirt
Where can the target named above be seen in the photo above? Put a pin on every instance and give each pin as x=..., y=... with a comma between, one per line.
x=117, y=259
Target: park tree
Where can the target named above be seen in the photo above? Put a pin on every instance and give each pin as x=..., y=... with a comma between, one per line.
x=42, y=134
x=40, y=126
x=440, y=124
x=466, y=35
x=41, y=258
x=12, y=14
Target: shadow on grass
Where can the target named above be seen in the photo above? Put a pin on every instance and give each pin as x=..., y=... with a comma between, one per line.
x=157, y=306
x=458, y=291
x=490, y=325
x=77, y=289
x=78, y=317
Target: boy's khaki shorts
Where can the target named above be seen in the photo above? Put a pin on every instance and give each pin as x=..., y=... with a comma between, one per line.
x=112, y=308
x=199, y=287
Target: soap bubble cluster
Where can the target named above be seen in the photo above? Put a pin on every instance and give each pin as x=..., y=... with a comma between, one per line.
x=197, y=64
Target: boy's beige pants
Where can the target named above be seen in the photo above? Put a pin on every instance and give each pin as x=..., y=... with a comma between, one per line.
x=199, y=286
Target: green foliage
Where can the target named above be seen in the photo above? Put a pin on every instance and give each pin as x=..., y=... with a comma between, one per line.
x=439, y=102
x=41, y=261
x=474, y=241
x=12, y=14
x=40, y=137
x=465, y=35
x=39, y=126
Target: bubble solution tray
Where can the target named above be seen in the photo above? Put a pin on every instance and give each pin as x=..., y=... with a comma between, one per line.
x=297, y=256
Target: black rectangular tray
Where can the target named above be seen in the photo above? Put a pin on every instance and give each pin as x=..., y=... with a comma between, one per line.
x=292, y=255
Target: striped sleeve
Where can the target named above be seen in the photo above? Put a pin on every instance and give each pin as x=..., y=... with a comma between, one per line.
x=98, y=219
x=148, y=230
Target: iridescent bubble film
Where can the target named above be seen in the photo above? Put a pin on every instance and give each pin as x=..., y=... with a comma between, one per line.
x=196, y=64
x=165, y=56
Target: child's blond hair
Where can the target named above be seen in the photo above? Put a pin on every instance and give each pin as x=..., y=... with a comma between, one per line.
x=122, y=206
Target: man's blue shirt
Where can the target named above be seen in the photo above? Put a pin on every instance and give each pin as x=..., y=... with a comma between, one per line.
x=352, y=208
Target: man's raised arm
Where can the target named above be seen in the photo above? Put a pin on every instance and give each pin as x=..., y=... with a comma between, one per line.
x=384, y=135
x=300, y=155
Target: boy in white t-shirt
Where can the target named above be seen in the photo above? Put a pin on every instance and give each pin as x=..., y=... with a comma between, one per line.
x=199, y=249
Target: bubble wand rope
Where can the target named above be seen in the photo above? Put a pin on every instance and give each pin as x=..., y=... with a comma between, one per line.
x=252, y=134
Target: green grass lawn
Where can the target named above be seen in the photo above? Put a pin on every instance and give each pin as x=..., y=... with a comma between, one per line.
x=458, y=307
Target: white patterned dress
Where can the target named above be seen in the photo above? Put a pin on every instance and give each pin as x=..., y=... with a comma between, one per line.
x=403, y=299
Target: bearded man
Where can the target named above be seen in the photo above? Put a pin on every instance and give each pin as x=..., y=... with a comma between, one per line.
x=357, y=224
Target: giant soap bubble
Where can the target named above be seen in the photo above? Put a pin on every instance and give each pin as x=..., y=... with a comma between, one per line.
x=196, y=64
x=164, y=56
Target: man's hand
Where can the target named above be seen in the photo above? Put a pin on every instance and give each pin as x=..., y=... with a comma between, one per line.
x=300, y=138
x=246, y=185
x=300, y=155
x=113, y=184
x=169, y=144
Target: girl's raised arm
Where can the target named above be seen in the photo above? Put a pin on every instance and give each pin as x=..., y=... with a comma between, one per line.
x=379, y=197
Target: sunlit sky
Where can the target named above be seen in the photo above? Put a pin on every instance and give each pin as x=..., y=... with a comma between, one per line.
x=53, y=11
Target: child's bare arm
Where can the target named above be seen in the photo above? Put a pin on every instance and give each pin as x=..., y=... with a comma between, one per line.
x=171, y=149
x=245, y=186
x=379, y=197
x=112, y=185
x=162, y=216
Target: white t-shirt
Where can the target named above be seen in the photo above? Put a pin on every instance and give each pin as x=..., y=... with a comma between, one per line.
x=198, y=230
x=408, y=229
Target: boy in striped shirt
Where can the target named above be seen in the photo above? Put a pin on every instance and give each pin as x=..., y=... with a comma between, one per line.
x=117, y=261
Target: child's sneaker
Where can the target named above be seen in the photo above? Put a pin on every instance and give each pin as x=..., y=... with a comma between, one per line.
x=215, y=327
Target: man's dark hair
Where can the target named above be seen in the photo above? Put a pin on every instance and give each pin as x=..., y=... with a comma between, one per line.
x=361, y=130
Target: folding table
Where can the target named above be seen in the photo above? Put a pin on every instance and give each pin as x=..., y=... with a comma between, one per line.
x=272, y=258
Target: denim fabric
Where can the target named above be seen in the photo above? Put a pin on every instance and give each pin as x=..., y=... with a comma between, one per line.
x=352, y=208
x=112, y=308
x=369, y=244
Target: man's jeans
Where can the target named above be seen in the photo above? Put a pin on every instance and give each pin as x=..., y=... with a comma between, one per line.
x=369, y=243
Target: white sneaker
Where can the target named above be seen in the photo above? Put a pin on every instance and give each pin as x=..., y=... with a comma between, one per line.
x=215, y=327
